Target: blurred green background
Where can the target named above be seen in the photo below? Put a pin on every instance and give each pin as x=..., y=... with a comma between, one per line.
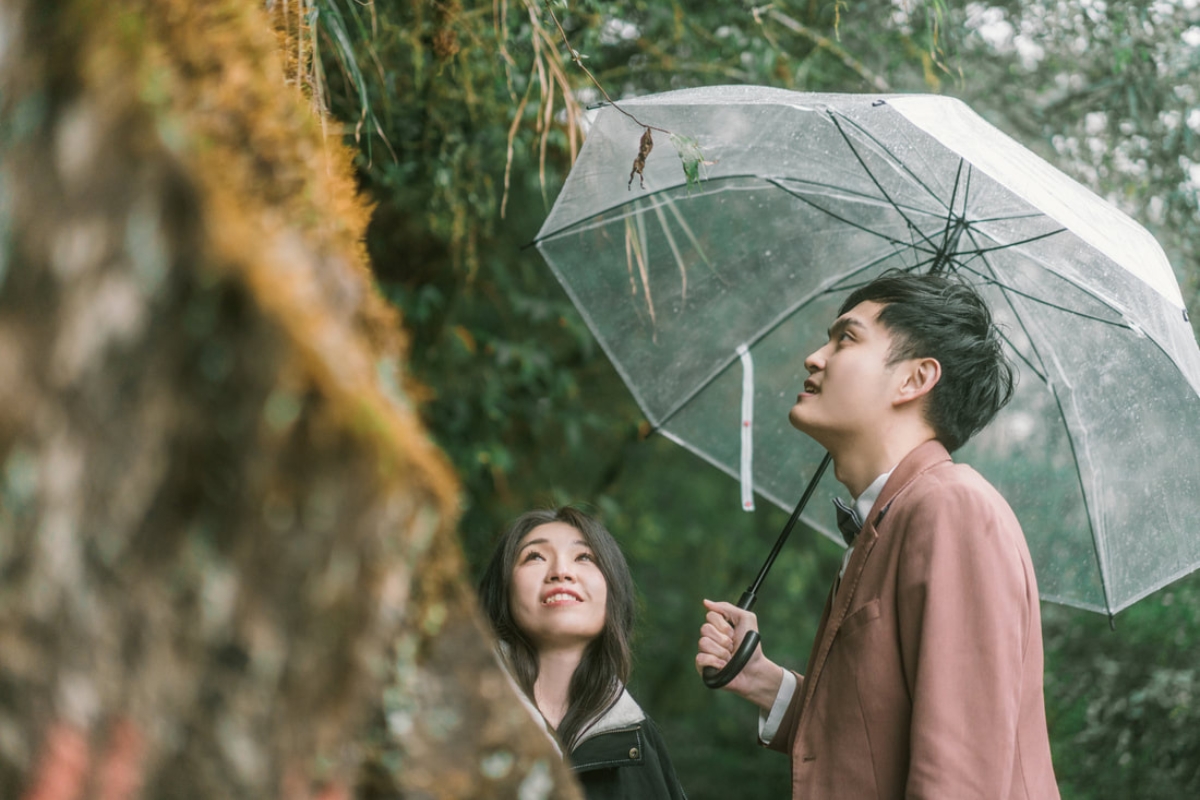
x=460, y=109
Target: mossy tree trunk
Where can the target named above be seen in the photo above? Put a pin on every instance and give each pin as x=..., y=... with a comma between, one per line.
x=226, y=544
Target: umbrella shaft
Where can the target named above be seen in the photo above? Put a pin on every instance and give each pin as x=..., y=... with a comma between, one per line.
x=752, y=592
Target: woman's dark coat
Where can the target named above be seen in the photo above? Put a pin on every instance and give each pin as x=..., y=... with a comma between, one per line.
x=622, y=755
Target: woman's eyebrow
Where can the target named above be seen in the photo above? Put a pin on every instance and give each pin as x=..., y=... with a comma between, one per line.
x=532, y=542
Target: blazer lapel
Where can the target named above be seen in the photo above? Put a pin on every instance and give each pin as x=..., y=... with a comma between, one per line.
x=918, y=461
x=864, y=543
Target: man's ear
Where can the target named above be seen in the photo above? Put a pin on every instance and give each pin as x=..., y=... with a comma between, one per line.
x=921, y=375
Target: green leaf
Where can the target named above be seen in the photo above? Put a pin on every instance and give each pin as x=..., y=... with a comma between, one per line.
x=692, y=157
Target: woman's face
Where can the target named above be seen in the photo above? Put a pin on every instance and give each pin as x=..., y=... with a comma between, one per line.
x=559, y=595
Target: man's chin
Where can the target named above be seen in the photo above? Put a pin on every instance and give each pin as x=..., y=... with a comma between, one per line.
x=796, y=418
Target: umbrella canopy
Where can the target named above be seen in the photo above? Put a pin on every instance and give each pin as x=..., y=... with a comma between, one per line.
x=708, y=297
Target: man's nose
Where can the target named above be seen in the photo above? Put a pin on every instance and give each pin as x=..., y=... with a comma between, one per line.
x=815, y=361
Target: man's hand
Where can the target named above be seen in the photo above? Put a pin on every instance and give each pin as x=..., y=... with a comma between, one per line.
x=725, y=625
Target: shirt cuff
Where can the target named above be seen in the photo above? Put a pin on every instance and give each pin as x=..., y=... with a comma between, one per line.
x=768, y=724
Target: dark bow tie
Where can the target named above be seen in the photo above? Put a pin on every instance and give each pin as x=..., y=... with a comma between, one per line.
x=849, y=523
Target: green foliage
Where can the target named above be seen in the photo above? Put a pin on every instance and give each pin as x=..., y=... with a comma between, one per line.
x=691, y=156
x=470, y=94
x=1124, y=704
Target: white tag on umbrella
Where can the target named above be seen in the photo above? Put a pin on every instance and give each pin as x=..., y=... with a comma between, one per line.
x=747, y=474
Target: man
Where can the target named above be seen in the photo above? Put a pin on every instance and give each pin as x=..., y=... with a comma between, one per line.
x=925, y=680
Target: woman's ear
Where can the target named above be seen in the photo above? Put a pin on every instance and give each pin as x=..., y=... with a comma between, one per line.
x=921, y=375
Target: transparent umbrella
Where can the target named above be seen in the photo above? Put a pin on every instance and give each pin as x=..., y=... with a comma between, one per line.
x=707, y=297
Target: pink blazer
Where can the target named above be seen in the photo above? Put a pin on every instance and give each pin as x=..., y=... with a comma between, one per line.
x=925, y=680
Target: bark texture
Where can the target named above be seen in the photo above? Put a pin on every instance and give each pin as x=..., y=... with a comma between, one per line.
x=227, y=561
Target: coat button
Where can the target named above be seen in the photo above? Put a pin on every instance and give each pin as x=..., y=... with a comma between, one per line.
x=634, y=752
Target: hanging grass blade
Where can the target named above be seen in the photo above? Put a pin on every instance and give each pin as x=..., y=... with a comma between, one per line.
x=327, y=16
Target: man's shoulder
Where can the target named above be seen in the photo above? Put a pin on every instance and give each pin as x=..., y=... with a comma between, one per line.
x=951, y=479
x=953, y=493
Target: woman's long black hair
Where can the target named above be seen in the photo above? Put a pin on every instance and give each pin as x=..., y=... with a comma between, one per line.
x=604, y=669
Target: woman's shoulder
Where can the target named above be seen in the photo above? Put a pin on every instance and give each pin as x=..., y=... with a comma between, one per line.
x=612, y=736
x=626, y=758
x=622, y=713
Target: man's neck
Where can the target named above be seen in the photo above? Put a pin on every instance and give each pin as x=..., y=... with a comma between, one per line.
x=856, y=465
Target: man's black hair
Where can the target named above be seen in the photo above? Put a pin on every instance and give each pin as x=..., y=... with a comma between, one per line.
x=943, y=317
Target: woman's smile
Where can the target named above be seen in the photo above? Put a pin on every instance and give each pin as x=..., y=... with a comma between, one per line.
x=561, y=597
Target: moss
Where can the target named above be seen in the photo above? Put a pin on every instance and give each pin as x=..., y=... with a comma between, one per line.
x=262, y=513
x=18, y=481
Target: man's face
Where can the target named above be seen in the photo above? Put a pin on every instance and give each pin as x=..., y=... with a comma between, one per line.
x=850, y=386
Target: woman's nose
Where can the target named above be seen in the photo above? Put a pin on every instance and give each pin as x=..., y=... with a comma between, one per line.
x=560, y=571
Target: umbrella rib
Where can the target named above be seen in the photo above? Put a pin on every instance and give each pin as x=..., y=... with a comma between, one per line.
x=1097, y=545
x=1104, y=301
x=950, y=215
x=898, y=162
x=778, y=181
x=853, y=224
x=1023, y=357
x=1082, y=314
x=981, y=250
x=1008, y=217
x=967, y=190
x=875, y=181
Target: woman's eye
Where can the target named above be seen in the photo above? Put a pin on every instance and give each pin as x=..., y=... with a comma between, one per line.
x=530, y=556
x=585, y=557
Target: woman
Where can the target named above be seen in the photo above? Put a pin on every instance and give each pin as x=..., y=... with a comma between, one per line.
x=560, y=597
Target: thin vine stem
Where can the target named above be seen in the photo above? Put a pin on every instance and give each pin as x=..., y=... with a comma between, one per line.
x=579, y=62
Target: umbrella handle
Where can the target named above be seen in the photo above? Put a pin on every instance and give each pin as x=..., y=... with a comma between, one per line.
x=714, y=678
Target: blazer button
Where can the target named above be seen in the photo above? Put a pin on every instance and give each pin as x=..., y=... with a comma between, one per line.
x=634, y=752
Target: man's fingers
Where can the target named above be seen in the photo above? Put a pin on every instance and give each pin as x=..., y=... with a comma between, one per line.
x=722, y=636
x=722, y=648
x=733, y=616
x=724, y=625
x=707, y=660
x=719, y=622
x=727, y=610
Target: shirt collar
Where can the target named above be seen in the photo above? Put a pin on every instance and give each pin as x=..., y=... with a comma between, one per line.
x=863, y=503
